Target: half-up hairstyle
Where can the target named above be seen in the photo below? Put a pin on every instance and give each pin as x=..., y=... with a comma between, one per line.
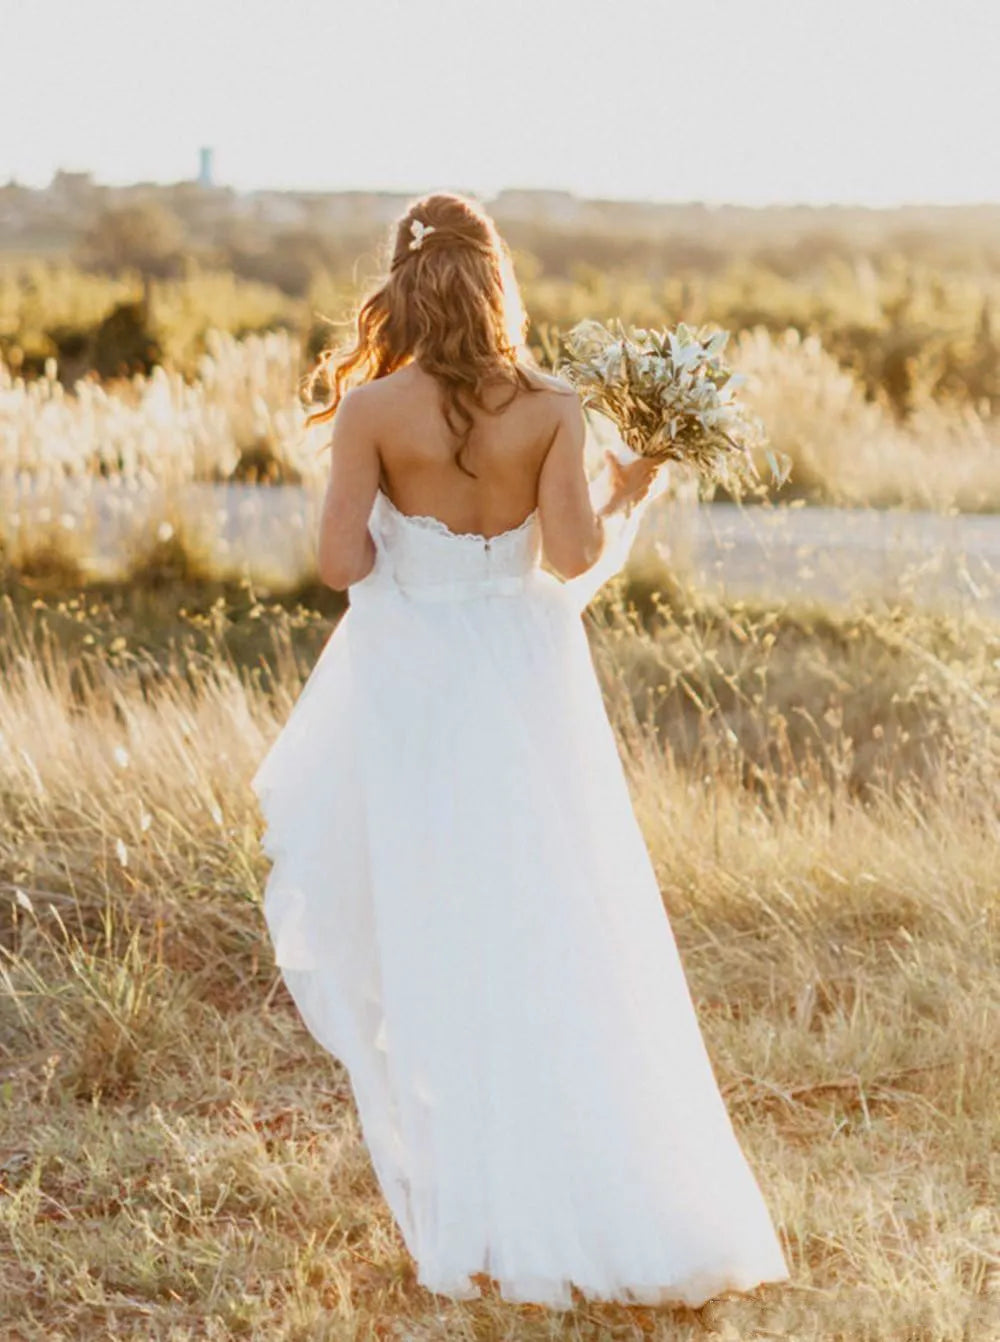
x=449, y=300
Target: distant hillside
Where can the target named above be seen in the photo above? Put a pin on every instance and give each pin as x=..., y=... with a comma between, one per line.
x=219, y=217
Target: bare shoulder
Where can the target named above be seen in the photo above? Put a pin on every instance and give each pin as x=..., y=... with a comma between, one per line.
x=366, y=404
x=556, y=403
x=550, y=382
x=356, y=403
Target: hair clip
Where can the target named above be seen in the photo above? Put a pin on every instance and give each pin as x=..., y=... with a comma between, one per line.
x=419, y=231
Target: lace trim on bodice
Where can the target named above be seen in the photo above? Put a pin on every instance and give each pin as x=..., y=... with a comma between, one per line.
x=426, y=522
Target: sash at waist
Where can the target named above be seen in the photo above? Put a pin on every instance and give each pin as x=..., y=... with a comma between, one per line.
x=382, y=582
x=463, y=589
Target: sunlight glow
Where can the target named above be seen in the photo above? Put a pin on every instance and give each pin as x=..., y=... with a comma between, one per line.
x=859, y=101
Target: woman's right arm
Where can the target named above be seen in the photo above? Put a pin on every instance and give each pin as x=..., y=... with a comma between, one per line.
x=572, y=508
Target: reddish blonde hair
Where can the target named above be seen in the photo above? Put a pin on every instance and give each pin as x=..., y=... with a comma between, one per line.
x=451, y=303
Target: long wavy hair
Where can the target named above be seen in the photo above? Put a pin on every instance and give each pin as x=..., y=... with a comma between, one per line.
x=449, y=300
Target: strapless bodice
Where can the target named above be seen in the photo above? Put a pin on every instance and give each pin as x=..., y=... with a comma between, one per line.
x=425, y=559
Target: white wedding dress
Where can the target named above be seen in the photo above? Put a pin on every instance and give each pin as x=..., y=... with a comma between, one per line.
x=465, y=913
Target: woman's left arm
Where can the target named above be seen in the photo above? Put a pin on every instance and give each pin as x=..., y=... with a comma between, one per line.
x=346, y=551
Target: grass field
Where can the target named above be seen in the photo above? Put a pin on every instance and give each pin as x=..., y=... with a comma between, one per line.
x=178, y=1159
x=238, y=419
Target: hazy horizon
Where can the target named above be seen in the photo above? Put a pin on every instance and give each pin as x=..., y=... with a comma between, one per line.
x=376, y=189
x=780, y=104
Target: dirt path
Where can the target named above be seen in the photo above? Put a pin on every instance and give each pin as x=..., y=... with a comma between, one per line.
x=832, y=555
x=810, y=554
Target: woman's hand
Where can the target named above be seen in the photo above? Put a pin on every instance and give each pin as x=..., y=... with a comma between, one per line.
x=628, y=481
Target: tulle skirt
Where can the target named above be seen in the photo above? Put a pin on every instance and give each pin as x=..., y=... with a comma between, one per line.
x=465, y=913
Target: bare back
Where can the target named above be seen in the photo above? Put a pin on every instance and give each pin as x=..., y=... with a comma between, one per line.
x=391, y=434
x=506, y=451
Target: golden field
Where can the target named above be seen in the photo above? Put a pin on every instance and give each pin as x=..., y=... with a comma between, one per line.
x=818, y=788
x=179, y=1160
x=872, y=337
x=130, y=453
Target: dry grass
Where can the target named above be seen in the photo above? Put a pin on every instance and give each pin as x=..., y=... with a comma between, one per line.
x=130, y=450
x=161, y=430
x=845, y=449
x=178, y=1159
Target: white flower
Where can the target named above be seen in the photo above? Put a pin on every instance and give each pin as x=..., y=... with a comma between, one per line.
x=668, y=392
x=419, y=231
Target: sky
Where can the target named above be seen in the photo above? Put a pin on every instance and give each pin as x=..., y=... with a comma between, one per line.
x=876, y=102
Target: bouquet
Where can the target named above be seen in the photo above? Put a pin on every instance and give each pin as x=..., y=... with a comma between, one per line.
x=671, y=396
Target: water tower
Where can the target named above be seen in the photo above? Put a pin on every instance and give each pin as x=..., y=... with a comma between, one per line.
x=204, y=167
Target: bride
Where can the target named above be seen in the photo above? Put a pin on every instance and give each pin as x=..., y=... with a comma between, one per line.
x=460, y=899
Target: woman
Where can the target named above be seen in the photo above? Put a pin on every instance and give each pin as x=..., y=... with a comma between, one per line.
x=461, y=901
